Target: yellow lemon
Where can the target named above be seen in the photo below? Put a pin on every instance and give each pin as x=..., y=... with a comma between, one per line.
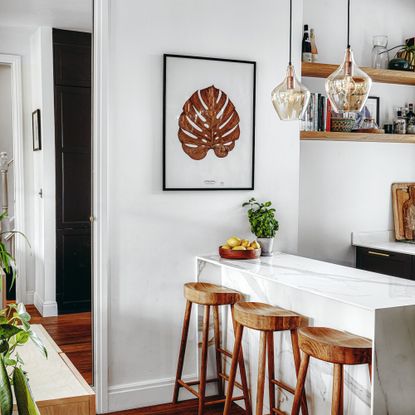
x=245, y=243
x=225, y=247
x=234, y=241
x=255, y=245
x=239, y=248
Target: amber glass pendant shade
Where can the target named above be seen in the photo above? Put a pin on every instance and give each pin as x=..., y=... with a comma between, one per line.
x=290, y=98
x=348, y=87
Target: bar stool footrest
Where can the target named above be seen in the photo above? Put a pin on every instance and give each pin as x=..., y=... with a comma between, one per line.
x=283, y=385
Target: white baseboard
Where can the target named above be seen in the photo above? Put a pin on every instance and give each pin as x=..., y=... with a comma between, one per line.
x=147, y=393
x=45, y=308
x=30, y=297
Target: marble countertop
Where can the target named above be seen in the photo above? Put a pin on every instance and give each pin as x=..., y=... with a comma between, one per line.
x=359, y=288
x=384, y=241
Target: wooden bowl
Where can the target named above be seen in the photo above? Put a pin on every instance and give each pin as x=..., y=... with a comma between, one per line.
x=248, y=254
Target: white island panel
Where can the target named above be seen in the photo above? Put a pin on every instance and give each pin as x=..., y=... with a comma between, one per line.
x=334, y=296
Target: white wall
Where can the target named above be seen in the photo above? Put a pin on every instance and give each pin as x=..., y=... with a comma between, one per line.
x=16, y=41
x=6, y=128
x=345, y=187
x=368, y=18
x=44, y=172
x=155, y=235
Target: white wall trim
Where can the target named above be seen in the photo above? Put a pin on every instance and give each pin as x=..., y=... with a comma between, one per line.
x=142, y=394
x=101, y=259
x=30, y=297
x=14, y=62
x=45, y=308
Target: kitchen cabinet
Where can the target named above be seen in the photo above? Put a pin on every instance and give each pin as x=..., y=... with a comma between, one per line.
x=386, y=262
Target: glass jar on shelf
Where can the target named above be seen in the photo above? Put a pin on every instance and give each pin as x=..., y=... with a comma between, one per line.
x=380, y=54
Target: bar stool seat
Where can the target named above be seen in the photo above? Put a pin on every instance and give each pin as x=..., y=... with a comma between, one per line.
x=210, y=294
x=265, y=317
x=335, y=346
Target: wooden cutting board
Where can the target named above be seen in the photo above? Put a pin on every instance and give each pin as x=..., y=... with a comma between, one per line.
x=400, y=195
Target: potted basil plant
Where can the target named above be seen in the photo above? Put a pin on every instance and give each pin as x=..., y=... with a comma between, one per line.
x=263, y=224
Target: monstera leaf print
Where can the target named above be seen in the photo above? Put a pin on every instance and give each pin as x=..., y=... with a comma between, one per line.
x=209, y=121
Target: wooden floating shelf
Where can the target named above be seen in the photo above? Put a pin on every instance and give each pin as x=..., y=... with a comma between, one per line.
x=386, y=76
x=359, y=137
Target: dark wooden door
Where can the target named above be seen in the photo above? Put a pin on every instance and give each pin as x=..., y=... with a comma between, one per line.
x=72, y=78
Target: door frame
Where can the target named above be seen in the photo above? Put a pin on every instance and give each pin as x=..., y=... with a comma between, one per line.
x=14, y=62
x=100, y=200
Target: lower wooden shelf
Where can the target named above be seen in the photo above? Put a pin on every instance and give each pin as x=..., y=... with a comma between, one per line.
x=360, y=137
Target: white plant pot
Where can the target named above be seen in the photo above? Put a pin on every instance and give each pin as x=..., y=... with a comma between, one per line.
x=267, y=245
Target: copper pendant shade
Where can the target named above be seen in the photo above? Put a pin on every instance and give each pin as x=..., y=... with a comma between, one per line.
x=290, y=98
x=348, y=87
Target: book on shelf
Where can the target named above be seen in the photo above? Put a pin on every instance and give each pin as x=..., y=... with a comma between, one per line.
x=317, y=116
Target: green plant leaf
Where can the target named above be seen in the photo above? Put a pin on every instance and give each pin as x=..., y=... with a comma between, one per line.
x=36, y=340
x=6, y=397
x=25, y=403
x=8, y=330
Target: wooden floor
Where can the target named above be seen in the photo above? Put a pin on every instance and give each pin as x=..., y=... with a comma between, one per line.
x=73, y=334
x=182, y=408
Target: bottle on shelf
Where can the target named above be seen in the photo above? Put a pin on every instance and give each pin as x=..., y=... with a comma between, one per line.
x=314, y=50
x=306, y=46
x=410, y=119
x=399, y=124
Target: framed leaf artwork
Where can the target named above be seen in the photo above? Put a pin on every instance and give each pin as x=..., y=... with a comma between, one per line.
x=208, y=123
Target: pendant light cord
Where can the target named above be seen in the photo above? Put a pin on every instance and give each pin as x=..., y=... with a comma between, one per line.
x=348, y=24
x=291, y=30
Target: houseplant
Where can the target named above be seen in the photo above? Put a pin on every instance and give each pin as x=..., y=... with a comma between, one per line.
x=263, y=224
x=15, y=332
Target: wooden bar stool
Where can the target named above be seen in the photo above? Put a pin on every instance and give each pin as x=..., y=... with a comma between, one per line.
x=267, y=319
x=333, y=346
x=209, y=295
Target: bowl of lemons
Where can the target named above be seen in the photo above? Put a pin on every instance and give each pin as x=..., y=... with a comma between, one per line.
x=237, y=248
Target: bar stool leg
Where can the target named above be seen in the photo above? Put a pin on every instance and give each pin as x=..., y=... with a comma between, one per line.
x=299, y=390
x=341, y=402
x=203, y=365
x=271, y=370
x=185, y=332
x=337, y=389
x=242, y=370
x=234, y=366
x=217, y=347
x=297, y=363
x=261, y=373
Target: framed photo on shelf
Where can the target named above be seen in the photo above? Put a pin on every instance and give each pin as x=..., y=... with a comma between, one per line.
x=373, y=106
x=36, y=132
x=208, y=123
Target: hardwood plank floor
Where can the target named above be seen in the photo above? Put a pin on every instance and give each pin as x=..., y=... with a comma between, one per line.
x=73, y=334
x=188, y=407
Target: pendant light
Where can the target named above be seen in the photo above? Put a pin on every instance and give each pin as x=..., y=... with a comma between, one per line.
x=348, y=86
x=290, y=97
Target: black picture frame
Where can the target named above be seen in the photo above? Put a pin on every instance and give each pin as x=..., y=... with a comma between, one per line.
x=36, y=130
x=165, y=87
x=377, y=104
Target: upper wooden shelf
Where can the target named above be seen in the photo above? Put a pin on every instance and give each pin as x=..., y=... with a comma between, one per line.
x=386, y=76
x=360, y=137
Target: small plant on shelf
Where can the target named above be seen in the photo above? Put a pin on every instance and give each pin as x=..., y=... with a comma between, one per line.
x=263, y=223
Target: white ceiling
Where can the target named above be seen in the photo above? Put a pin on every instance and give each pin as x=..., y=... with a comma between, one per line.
x=61, y=14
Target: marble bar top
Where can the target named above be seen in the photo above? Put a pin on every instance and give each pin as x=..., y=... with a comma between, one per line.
x=384, y=241
x=359, y=288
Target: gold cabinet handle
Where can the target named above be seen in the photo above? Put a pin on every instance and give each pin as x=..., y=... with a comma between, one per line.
x=378, y=253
